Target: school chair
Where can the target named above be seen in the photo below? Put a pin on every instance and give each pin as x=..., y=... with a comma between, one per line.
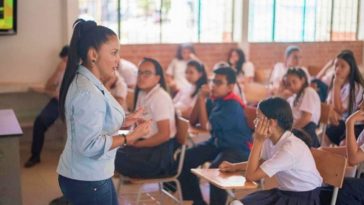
x=130, y=100
x=332, y=169
x=182, y=132
x=255, y=92
x=324, y=120
x=250, y=114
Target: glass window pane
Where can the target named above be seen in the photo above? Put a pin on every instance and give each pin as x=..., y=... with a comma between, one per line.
x=344, y=20
x=260, y=20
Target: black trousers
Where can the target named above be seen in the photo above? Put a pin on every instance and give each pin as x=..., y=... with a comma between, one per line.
x=43, y=121
x=195, y=157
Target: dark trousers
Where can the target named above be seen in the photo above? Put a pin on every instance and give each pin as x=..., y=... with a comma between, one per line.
x=336, y=133
x=310, y=128
x=88, y=192
x=195, y=157
x=44, y=120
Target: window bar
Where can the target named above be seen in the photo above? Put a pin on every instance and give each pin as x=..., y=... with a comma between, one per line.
x=304, y=20
x=199, y=22
x=332, y=18
x=315, y=16
x=274, y=20
x=119, y=18
x=232, y=20
x=357, y=20
x=160, y=21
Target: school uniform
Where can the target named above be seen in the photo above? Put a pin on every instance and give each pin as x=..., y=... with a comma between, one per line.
x=291, y=162
x=308, y=102
x=230, y=140
x=177, y=69
x=336, y=133
x=128, y=71
x=120, y=89
x=154, y=161
x=184, y=99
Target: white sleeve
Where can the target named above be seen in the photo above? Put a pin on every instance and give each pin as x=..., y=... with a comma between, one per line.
x=309, y=101
x=120, y=89
x=171, y=67
x=248, y=69
x=282, y=160
x=161, y=108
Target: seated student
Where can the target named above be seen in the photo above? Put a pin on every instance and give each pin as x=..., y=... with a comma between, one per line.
x=176, y=70
x=129, y=72
x=230, y=138
x=185, y=99
x=345, y=95
x=351, y=191
x=305, y=103
x=118, y=89
x=49, y=113
x=292, y=58
x=243, y=68
x=152, y=156
x=277, y=152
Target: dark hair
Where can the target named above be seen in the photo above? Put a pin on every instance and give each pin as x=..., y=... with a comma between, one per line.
x=64, y=52
x=200, y=68
x=241, y=60
x=278, y=109
x=158, y=71
x=354, y=75
x=86, y=35
x=290, y=50
x=228, y=72
x=301, y=75
x=184, y=46
x=303, y=135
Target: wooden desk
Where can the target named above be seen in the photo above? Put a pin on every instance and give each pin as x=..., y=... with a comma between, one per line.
x=10, y=189
x=225, y=180
x=194, y=132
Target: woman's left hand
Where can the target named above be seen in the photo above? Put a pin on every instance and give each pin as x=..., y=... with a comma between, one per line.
x=134, y=117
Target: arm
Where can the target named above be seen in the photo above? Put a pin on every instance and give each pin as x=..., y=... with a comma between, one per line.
x=323, y=71
x=303, y=121
x=141, y=130
x=160, y=137
x=53, y=81
x=336, y=96
x=354, y=152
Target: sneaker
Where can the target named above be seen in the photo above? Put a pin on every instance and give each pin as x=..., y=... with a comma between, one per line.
x=31, y=162
x=60, y=201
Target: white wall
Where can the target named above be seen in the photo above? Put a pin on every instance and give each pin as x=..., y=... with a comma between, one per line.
x=31, y=55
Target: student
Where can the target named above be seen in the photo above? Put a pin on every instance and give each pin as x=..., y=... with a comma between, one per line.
x=177, y=68
x=305, y=103
x=92, y=117
x=223, y=113
x=345, y=95
x=152, y=156
x=49, y=113
x=243, y=68
x=118, y=89
x=277, y=152
x=292, y=58
x=128, y=71
x=185, y=99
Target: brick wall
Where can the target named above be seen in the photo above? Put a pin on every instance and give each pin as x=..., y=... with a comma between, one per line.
x=263, y=55
x=209, y=53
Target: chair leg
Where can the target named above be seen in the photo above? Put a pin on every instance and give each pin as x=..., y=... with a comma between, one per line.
x=334, y=196
x=179, y=191
x=139, y=195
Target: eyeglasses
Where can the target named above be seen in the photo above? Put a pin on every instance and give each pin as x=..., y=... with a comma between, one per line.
x=216, y=82
x=145, y=73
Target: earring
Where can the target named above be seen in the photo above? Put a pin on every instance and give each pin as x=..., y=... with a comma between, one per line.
x=93, y=61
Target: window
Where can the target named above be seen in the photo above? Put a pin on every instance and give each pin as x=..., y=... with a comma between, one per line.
x=166, y=21
x=303, y=20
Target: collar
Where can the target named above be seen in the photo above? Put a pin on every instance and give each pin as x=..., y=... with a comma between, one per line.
x=231, y=96
x=284, y=135
x=152, y=91
x=91, y=77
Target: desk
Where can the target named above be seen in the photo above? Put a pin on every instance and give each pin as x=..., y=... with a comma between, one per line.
x=225, y=180
x=194, y=132
x=10, y=189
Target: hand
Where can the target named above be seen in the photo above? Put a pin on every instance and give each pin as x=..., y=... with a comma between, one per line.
x=355, y=117
x=261, y=130
x=134, y=117
x=338, y=81
x=226, y=166
x=205, y=90
x=140, y=131
x=334, y=118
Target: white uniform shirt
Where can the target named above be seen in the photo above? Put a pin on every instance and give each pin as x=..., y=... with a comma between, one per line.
x=308, y=102
x=158, y=106
x=128, y=71
x=248, y=69
x=177, y=69
x=120, y=89
x=291, y=161
x=183, y=99
x=344, y=96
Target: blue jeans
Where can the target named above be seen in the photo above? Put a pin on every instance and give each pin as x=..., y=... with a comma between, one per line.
x=88, y=192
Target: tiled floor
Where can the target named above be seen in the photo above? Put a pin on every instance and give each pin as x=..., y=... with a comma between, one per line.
x=39, y=183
